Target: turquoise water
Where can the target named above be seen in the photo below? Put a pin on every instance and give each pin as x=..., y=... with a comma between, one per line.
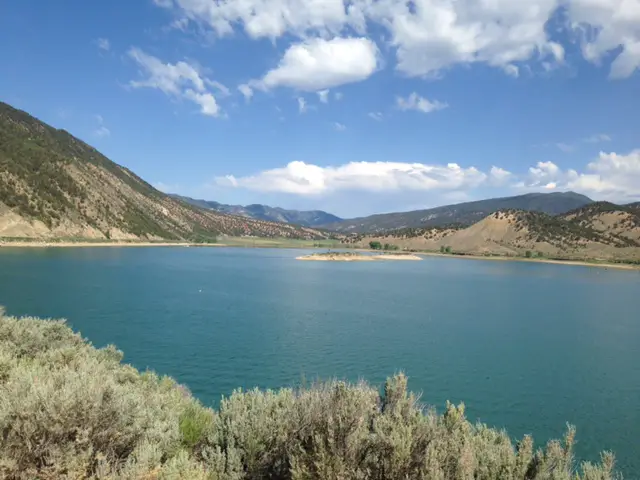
x=526, y=346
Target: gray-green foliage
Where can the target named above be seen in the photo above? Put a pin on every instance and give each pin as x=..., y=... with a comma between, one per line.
x=68, y=410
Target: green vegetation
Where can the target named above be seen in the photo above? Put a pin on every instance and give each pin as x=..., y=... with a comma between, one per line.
x=70, y=411
x=391, y=247
x=528, y=254
x=48, y=175
x=375, y=245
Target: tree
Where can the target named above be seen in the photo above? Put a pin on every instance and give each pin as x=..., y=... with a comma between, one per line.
x=448, y=249
x=528, y=254
x=442, y=249
x=375, y=245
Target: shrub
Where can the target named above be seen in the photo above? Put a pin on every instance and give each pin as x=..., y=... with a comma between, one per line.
x=70, y=411
x=528, y=254
x=375, y=245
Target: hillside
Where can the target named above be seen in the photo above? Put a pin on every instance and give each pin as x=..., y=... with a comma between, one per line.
x=598, y=232
x=464, y=213
x=615, y=221
x=53, y=185
x=312, y=218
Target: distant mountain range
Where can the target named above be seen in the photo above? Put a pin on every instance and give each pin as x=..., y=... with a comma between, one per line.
x=53, y=185
x=311, y=218
x=463, y=213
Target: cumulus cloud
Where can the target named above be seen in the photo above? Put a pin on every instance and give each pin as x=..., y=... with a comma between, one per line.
x=611, y=176
x=270, y=18
x=319, y=64
x=431, y=36
x=377, y=116
x=340, y=127
x=181, y=80
x=420, y=104
x=308, y=179
x=608, y=25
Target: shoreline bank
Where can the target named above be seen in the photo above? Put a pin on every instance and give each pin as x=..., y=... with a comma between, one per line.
x=577, y=263
x=65, y=244
x=115, y=244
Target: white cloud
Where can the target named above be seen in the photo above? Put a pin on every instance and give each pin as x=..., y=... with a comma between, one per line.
x=323, y=95
x=339, y=126
x=103, y=44
x=499, y=176
x=376, y=116
x=611, y=176
x=431, y=36
x=607, y=25
x=246, y=91
x=338, y=96
x=270, y=18
x=308, y=179
x=302, y=105
x=181, y=80
x=416, y=102
x=320, y=64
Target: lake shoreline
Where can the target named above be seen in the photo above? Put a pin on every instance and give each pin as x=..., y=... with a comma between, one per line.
x=116, y=244
x=577, y=263
x=54, y=244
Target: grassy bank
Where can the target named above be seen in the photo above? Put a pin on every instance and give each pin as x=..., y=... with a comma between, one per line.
x=71, y=411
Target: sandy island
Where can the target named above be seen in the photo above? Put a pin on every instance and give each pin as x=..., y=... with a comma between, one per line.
x=355, y=257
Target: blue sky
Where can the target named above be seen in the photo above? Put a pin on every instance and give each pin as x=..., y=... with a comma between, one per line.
x=355, y=107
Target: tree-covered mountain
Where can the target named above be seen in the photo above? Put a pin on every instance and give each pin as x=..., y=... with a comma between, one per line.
x=463, y=213
x=311, y=218
x=53, y=185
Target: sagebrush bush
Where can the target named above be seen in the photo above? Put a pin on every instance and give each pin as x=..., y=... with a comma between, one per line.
x=71, y=411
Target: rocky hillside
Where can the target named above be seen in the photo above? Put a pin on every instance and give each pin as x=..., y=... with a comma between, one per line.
x=53, y=185
x=602, y=231
x=310, y=218
x=464, y=213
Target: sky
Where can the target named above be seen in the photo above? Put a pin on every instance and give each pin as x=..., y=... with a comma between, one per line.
x=354, y=107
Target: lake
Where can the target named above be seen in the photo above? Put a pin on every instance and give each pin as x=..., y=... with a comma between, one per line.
x=526, y=346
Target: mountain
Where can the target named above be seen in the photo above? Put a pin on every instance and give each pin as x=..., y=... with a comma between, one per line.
x=463, y=213
x=598, y=230
x=313, y=218
x=53, y=185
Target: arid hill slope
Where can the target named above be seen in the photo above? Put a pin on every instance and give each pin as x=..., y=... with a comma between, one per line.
x=53, y=185
x=598, y=232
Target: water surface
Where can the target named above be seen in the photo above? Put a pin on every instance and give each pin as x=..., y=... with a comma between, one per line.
x=526, y=346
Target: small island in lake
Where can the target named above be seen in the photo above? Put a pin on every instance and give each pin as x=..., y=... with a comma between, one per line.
x=356, y=257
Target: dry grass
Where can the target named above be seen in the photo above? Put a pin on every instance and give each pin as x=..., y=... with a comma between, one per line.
x=70, y=411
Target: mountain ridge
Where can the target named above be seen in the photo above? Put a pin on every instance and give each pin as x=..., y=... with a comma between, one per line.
x=306, y=218
x=54, y=185
x=466, y=213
